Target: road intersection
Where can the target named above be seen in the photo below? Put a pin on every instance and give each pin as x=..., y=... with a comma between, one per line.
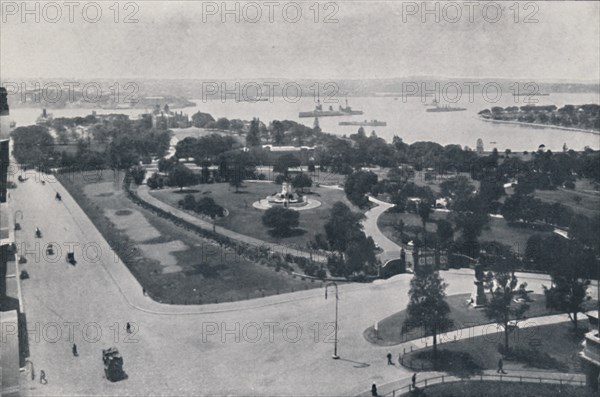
x=267, y=346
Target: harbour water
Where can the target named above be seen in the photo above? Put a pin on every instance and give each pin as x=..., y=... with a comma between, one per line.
x=405, y=117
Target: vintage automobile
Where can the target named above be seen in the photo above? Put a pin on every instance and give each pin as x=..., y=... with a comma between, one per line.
x=113, y=365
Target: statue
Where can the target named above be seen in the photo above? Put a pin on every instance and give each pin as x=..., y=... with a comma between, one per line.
x=478, y=298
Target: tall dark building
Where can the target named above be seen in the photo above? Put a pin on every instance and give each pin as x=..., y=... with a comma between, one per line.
x=4, y=142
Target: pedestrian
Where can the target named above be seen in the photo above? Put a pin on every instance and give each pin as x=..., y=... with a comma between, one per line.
x=389, y=357
x=43, y=379
x=75, y=350
x=500, y=366
x=414, y=380
x=128, y=328
x=374, y=390
x=400, y=359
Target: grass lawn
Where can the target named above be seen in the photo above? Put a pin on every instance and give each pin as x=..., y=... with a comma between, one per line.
x=500, y=389
x=390, y=328
x=498, y=229
x=245, y=219
x=552, y=348
x=584, y=199
x=198, y=271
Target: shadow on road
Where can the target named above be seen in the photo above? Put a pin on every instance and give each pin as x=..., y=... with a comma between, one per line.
x=358, y=363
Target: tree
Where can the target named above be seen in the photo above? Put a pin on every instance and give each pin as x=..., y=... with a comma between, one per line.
x=444, y=232
x=253, y=137
x=471, y=224
x=342, y=222
x=424, y=211
x=281, y=220
x=138, y=173
x=460, y=191
x=427, y=307
x=301, y=181
x=200, y=119
x=32, y=145
x=357, y=185
x=237, y=167
x=188, y=202
x=181, y=176
x=235, y=175
x=500, y=308
x=223, y=124
x=285, y=162
x=568, y=292
x=517, y=207
x=277, y=131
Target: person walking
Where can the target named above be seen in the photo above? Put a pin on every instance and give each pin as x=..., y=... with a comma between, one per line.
x=374, y=390
x=43, y=379
x=389, y=358
x=128, y=328
x=414, y=380
x=400, y=359
x=500, y=366
x=75, y=350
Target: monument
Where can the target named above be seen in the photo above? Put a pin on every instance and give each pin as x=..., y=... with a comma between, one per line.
x=478, y=298
x=287, y=197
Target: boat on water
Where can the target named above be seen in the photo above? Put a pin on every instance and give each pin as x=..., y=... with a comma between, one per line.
x=319, y=112
x=252, y=100
x=44, y=118
x=444, y=108
x=365, y=123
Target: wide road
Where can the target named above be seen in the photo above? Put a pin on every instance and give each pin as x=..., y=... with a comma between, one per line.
x=279, y=345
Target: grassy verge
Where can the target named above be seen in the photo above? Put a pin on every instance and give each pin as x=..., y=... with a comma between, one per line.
x=498, y=229
x=552, y=348
x=210, y=272
x=243, y=218
x=499, y=389
x=390, y=329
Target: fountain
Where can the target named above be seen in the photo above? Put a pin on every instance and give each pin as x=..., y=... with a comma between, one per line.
x=286, y=197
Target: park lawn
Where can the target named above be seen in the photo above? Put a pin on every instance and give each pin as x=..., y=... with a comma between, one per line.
x=581, y=202
x=498, y=229
x=584, y=199
x=553, y=348
x=500, y=389
x=390, y=328
x=208, y=273
x=243, y=218
x=437, y=180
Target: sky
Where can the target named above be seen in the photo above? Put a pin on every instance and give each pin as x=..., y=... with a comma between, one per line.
x=344, y=40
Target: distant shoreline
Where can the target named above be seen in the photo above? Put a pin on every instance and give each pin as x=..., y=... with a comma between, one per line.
x=540, y=125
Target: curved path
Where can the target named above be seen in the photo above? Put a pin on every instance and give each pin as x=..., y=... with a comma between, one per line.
x=143, y=193
x=390, y=249
x=279, y=345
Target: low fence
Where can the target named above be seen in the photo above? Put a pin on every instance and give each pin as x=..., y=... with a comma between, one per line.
x=436, y=380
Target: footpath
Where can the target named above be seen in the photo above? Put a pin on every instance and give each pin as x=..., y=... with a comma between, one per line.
x=143, y=192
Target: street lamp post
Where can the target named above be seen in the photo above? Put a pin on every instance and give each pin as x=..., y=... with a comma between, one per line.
x=335, y=338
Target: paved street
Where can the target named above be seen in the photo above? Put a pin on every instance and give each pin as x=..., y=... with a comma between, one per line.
x=274, y=345
x=390, y=249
